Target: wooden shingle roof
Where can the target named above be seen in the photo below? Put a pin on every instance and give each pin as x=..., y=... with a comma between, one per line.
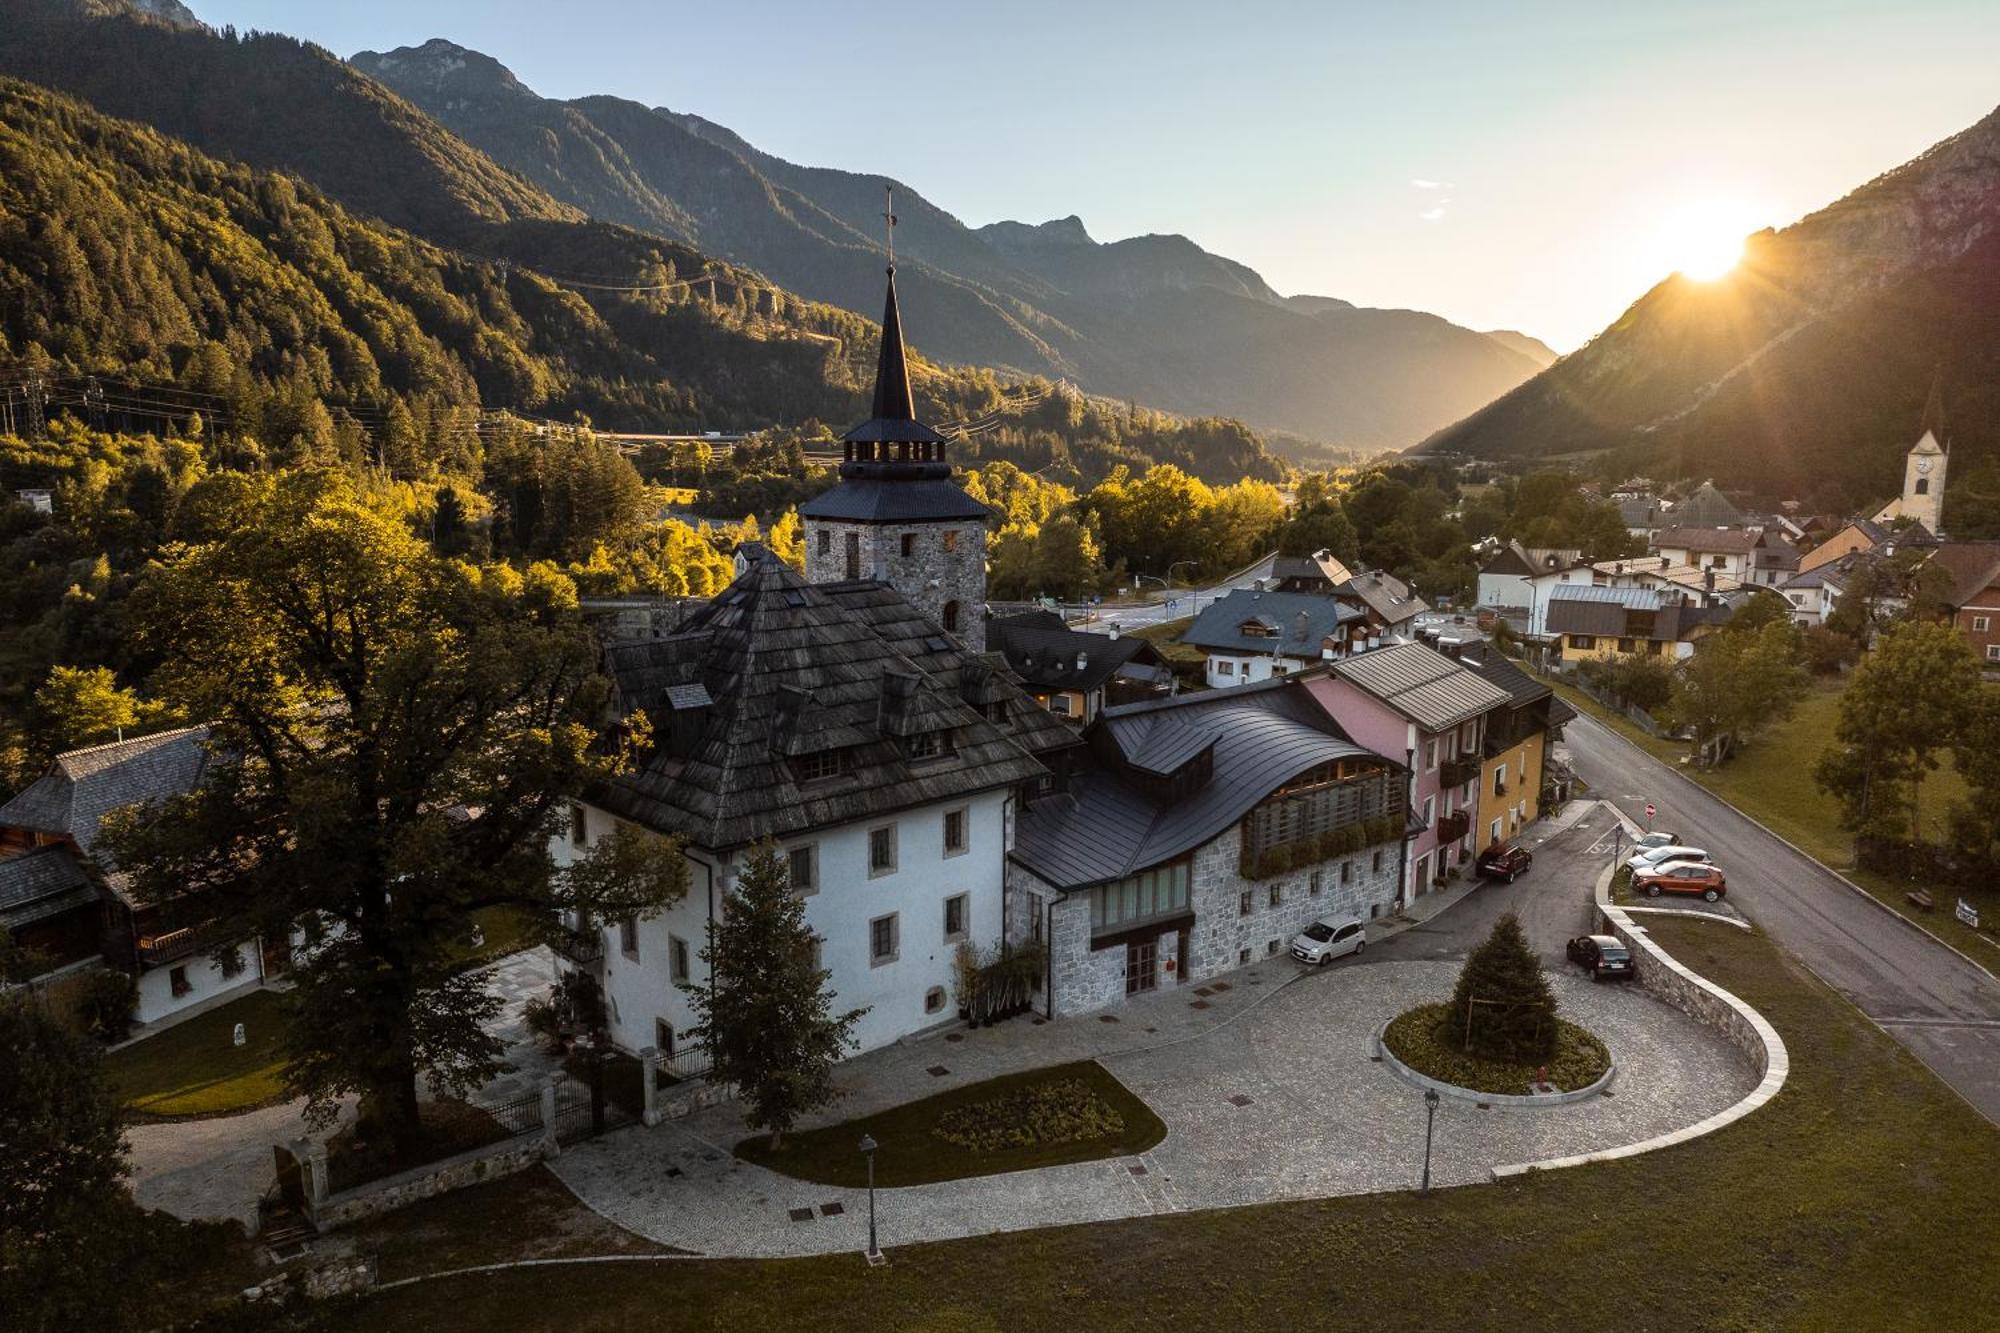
x=793, y=670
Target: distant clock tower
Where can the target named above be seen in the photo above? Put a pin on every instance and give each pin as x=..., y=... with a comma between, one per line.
x=1923, y=482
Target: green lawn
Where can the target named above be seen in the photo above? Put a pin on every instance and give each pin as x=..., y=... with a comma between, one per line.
x=1771, y=781
x=913, y=1153
x=1857, y=1199
x=193, y=1068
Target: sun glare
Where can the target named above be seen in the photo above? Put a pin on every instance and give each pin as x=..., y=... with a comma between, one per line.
x=1703, y=240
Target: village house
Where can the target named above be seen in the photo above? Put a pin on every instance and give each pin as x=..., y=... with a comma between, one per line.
x=1603, y=622
x=1506, y=580
x=1388, y=606
x=1073, y=673
x=1251, y=636
x=61, y=891
x=1514, y=753
x=1724, y=550
x=1412, y=702
x=1974, y=597
x=1198, y=834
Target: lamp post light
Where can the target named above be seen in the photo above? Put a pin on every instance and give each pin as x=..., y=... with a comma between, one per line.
x=1431, y=1100
x=868, y=1146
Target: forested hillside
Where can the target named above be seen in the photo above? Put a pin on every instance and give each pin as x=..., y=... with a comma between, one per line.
x=1806, y=371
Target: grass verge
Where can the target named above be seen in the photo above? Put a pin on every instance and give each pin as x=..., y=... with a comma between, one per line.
x=1059, y=1113
x=194, y=1068
x=1418, y=1037
x=1855, y=1199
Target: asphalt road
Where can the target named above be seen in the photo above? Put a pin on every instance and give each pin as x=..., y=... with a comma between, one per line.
x=1944, y=1009
x=1553, y=902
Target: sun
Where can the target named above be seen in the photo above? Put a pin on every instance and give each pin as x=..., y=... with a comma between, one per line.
x=1703, y=238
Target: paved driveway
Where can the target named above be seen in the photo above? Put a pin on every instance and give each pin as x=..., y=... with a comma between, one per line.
x=1268, y=1093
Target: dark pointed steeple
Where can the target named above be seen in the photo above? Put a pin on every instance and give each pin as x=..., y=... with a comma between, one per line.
x=893, y=399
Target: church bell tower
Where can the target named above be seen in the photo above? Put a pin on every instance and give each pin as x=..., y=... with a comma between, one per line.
x=896, y=515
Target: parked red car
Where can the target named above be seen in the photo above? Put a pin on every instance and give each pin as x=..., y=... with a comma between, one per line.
x=1506, y=863
x=1690, y=877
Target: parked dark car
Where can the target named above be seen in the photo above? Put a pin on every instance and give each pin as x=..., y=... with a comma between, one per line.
x=1504, y=863
x=1602, y=956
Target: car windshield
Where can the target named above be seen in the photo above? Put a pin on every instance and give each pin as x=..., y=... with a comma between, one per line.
x=1319, y=930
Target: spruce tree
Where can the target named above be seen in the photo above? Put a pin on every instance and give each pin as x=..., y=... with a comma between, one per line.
x=766, y=1015
x=1503, y=999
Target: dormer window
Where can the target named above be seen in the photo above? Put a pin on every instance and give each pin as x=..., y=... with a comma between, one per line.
x=818, y=765
x=928, y=745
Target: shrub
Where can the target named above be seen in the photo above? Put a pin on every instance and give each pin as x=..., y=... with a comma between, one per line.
x=1062, y=1111
x=1424, y=1038
x=104, y=1005
x=1503, y=1000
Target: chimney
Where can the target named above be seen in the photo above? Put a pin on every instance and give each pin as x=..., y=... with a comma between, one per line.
x=1708, y=578
x=1114, y=631
x=1304, y=623
x=1663, y=562
x=1082, y=661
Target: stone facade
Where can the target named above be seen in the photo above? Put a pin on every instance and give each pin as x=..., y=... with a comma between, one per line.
x=399, y=1191
x=944, y=574
x=1222, y=937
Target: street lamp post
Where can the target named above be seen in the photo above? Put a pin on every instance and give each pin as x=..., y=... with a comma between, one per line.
x=1431, y=1100
x=868, y=1151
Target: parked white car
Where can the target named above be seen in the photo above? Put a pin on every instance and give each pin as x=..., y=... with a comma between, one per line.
x=1659, y=856
x=1645, y=842
x=1330, y=938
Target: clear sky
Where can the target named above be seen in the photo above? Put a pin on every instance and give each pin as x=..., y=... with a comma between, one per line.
x=1530, y=166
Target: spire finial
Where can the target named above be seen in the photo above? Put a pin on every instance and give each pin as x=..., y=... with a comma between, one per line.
x=889, y=216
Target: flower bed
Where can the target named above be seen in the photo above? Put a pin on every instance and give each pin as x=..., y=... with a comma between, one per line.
x=1064, y=1111
x=1420, y=1038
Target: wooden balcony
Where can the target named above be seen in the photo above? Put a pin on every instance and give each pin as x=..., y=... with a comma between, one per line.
x=1453, y=827
x=584, y=948
x=172, y=946
x=1458, y=772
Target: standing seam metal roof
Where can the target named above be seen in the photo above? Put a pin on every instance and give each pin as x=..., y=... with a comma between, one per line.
x=1422, y=684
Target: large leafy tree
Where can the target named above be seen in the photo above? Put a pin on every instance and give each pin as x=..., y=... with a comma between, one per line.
x=395, y=736
x=1908, y=699
x=1738, y=681
x=766, y=1016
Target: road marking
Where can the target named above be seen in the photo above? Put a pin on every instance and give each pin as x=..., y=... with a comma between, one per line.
x=1938, y=1022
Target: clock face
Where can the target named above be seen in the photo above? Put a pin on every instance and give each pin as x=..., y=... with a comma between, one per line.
x=1923, y=465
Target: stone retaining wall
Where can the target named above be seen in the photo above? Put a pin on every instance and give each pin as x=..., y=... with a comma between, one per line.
x=407, y=1187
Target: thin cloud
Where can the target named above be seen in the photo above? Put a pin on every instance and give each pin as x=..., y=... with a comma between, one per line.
x=1431, y=214
x=1420, y=183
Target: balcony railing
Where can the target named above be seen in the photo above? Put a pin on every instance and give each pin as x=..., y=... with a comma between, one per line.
x=171, y=946
x=1453, y=827
x=1458, y=772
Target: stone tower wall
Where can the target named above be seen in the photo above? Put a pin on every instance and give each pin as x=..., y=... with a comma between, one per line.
x=946, y=565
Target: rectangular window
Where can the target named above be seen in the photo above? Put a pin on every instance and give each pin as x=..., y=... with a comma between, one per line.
x=882, y=851
x=1500, y=780
x=1061, y=705
x=677, y=960
x=1347, y=872
x=955, y=832
x=996, y=712
x=178, y=979
x=825, y=541
x=1494, y=831
x=1430, y=755
x=628, y=937
x=232, y=964
x=957, y=911
x=1430, y=809
x=854, y=555
x=803, y=865
x=909, y=546
x=1627, y=646
x=1377, y=867
x=1277, y=894
x=950, y=540
x=927, y=744
x=817, y=766
x=1315, y=884
x=1225, y=668
x=882, y=940
x=577, y=829
x=1243, y=903
x=663, y=1037
x=1271, y=946
x=1993, y=652
x=1583, y=642
x=1148, y=895
x=1979, y=624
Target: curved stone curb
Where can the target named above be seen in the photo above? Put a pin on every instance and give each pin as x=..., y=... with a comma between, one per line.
x=537, y=1263
x=1776, y=1061
x=1504, y=1100
x=1735, y=921
x=1917, y=926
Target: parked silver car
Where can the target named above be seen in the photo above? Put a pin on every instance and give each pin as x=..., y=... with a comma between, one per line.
x=1330, y=938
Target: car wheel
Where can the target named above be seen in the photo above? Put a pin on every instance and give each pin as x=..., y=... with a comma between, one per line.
x=1359, y=945
x=1652, y=890
x=1325, y=958
x=1510, y=877
x=1709, y=895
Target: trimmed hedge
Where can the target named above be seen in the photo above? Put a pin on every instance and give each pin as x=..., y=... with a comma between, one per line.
x=1421, y=1039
